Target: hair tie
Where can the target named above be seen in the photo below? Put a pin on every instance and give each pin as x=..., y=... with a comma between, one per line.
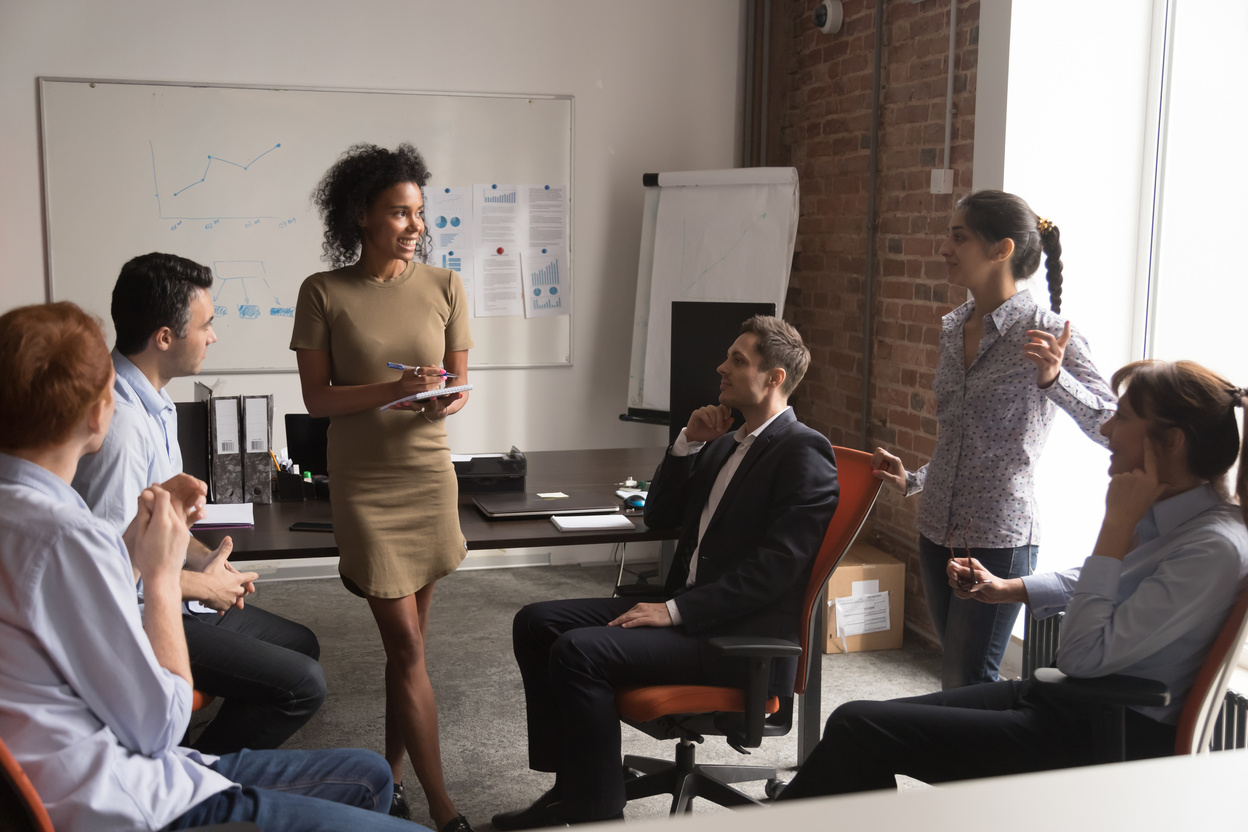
x=1046, y=226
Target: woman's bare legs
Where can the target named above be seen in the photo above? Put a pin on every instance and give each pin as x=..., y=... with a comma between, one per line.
x=411, y=712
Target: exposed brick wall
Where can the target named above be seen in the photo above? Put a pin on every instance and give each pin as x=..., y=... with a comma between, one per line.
x=826, y=133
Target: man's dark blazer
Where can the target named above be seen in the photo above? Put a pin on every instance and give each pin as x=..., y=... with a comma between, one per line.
x=755, y=558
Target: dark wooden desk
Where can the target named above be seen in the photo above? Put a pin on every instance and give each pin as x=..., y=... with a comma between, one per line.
x=598, y=470
x=271, y=537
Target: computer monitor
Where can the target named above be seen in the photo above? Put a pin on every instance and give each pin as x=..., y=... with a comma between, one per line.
x=702, y=332
x=306, y=437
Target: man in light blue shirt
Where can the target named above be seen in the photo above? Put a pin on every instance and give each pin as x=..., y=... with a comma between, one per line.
x=95, y=694
x=262, y=666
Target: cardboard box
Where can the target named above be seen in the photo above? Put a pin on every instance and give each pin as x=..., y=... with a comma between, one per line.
x=863, y=563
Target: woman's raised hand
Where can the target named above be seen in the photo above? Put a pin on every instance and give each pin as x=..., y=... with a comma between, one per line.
x=1046, y=352
x=1132, y=494
x=889, y=468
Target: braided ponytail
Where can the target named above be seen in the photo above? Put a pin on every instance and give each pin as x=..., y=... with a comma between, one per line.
x=1051, y=243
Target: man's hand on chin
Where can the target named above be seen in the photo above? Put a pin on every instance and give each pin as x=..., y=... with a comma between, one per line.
x=644, y=615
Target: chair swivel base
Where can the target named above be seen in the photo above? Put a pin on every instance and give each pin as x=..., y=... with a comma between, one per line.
x=685, y=779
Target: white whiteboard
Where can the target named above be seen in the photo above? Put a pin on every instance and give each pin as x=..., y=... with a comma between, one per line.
x=713, y=235
x=223, y=176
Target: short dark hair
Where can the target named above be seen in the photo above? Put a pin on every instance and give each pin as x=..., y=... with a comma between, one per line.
x=352, y=185
x=153, y=291
x=54, y=365
x=996, y=215
x=779, y=345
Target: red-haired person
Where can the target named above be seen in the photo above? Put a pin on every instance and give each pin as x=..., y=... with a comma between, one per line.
x=95, y=695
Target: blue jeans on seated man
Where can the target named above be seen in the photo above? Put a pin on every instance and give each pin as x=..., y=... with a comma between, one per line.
x=302, y=791
x=974, y=635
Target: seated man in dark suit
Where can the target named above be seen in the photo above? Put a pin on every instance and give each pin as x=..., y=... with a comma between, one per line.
x=753, y=507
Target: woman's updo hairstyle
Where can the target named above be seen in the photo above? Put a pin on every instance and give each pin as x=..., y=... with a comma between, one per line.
x=350, y=188
x=996, y=215
x=1200, y=403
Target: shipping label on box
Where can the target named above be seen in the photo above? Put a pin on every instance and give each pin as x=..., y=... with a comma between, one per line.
x=866, y=602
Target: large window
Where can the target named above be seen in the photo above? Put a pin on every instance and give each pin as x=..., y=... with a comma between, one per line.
x=1122, y=125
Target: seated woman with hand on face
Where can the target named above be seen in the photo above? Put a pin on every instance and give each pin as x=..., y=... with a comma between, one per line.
x=1167, y=567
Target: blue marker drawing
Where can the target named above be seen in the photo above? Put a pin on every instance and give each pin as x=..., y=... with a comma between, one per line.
x=236, y=273
x=160, y=211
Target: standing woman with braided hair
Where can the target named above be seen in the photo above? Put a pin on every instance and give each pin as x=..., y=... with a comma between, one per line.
x=1006, y=366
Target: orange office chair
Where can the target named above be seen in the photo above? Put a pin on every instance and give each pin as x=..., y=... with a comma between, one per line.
x=22, y=811
x=1116, y=692
x=19, y=802
x=742, y=716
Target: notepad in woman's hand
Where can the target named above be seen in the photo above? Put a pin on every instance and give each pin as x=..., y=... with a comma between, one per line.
x=429, y=394
x=590, y=522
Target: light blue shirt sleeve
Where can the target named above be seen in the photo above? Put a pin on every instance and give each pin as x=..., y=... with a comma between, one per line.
x=1048, y=592
x=103, y=652
x=1190, y=590
x=111, y=480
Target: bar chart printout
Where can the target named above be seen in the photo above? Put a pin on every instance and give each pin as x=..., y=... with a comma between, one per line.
x=546, y=288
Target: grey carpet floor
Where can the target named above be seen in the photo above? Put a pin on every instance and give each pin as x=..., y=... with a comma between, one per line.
x=480, y=698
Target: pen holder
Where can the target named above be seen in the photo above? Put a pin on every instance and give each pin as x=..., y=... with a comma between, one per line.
x=290, y=488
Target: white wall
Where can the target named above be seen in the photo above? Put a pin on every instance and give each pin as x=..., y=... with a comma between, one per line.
x=657, y=87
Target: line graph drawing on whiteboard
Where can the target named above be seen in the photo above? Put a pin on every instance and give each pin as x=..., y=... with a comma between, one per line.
x=217, y=194
x=233, y=273
x=697, y=271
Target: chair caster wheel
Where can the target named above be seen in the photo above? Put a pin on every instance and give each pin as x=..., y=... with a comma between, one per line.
x=773, y=788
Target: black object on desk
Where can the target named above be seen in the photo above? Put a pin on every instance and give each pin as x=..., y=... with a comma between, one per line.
x=306, y=526
x=306, y=439
x=486, y=474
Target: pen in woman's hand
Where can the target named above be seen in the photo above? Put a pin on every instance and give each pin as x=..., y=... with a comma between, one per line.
x=393, y=366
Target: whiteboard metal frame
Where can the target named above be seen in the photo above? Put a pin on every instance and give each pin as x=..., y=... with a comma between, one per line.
x=47, y=218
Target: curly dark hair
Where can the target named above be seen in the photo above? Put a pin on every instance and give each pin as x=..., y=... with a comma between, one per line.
x=349, y=188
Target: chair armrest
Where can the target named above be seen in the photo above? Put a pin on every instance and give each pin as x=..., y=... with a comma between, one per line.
x=749, y=646
x=746, y=730
x=1115, y=689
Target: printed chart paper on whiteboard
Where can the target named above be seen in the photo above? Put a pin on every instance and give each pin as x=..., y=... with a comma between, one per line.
x=720, y=236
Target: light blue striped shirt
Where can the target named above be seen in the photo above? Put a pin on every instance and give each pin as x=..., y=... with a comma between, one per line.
x=85, y=707
x=141, y=448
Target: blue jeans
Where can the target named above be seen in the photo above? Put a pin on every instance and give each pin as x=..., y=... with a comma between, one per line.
x=301, y=791
x=973, y=634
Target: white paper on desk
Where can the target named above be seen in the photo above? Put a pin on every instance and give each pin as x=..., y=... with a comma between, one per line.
x=497, y=286
x=227, y=514
x=858, y=615
x=470, y=457
x=587, y=522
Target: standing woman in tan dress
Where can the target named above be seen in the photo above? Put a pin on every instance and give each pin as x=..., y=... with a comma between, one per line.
x=394, y=491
